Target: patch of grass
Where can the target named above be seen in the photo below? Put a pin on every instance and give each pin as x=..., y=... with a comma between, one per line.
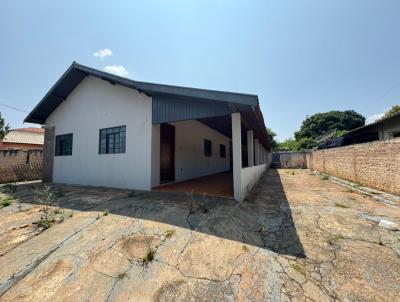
x=5, y=202
x=299, y=268
x=293, y=172
x=169, y=233
x=149, y=256
x=341, y=205
x=106, y=212
x=325, y=177
x=245, y=249
x=122, y=275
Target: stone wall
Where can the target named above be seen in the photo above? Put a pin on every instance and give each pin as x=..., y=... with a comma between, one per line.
x=375, y=164
x=19, y=165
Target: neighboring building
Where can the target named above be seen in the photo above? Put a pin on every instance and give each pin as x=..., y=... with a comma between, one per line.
x=380, y=130
x=106, y=130
x=23, y=139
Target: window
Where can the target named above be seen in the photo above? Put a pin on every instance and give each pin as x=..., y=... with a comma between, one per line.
x=207, y=148
x=222, y=151
x=63, y=144
x=112, y=140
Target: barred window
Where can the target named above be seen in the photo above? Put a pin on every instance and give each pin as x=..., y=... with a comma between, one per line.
x=112, y=140
x=63, y=145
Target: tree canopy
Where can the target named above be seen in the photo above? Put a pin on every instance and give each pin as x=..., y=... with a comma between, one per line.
x=272, y=134
x=3, y=127
x=321, y=123
x=392, y=112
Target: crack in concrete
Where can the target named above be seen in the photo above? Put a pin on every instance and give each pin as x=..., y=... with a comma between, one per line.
x=4, y=287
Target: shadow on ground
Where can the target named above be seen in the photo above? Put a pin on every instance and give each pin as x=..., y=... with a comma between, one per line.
x=264, y=219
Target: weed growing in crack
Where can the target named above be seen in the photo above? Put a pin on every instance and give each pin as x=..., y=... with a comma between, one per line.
x=6, y=201
x=106, y=212
x=245, y=249
x=46, y=197
x=122, y=275
x=169, y=233
x=149, y=256
x=325, y=177
x=299, y=268
x=332, y=240
x=341, y=205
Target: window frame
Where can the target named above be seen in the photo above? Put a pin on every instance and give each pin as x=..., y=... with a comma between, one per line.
x=207, y=147
x=110, y=140
x=64, y=151
x=222, y=151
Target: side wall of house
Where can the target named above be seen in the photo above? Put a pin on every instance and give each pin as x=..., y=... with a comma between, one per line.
x=97, y=104
x=375, y=164
x=190, y=161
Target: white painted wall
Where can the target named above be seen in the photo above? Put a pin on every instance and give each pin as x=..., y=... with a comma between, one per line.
x=249, y=177
x=190, y=161
x=96, y=104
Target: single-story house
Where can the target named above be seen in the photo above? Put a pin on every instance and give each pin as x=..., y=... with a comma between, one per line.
x=383, y=129
x=106, y=130
x=23, y=139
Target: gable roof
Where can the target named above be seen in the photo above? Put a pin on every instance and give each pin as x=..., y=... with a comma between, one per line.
x=77, y=72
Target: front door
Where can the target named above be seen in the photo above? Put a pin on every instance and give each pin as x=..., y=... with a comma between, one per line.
x=167, y=153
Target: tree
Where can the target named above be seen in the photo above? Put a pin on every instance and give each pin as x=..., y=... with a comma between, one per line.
x=289, y=144
x=272, y=134
x=320, y=123
x=392, y=112
x=3, y=128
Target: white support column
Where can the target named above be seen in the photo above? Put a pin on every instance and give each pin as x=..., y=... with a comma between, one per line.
x=256, y=152
x=250, y=148
x=237, y=156
x=263, y=155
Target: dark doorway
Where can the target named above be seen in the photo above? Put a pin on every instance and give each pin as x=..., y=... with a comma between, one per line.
x=167, y=153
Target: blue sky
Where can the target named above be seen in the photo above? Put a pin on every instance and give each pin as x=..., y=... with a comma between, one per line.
x=300, y=57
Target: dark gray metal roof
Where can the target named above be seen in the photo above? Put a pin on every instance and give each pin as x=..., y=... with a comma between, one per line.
x=193, y=103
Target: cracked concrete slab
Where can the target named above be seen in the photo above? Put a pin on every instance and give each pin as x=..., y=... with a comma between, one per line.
x=297, y=237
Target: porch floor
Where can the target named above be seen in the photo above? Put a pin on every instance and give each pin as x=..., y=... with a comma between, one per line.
x=220, y=185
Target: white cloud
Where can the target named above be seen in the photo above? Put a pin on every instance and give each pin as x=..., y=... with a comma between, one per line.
x=102, y=53
x=117, y=69
x=374, y=117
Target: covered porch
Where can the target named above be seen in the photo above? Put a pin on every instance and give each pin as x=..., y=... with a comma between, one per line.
x=212, y=147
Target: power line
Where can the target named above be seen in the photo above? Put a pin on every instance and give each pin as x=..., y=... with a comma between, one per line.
x=14, y=108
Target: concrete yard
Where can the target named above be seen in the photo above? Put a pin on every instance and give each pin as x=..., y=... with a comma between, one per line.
x=298, y=237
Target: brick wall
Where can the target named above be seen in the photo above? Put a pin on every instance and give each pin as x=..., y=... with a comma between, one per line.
x=376, y=164
x=19, y=165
